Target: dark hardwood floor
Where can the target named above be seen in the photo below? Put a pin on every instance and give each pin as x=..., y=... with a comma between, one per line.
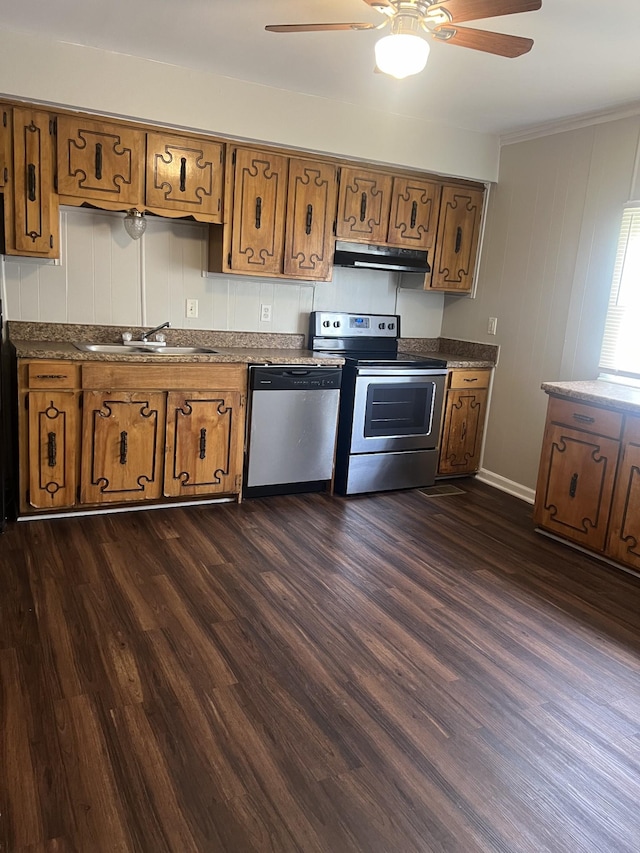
x=387, y=673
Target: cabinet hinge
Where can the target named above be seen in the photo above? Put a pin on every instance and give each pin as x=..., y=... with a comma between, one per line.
x=233, y=157
x=229, y=260
x=221, y=154
x=51, y=241
x=53, y=127
x=335, y=226
x=243, y=400
x=26, y=402
x=55, y=183
x=6, y=174
x=4, y=118
x=238, y=482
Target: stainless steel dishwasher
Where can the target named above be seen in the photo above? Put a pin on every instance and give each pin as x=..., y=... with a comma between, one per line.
x=293, y=415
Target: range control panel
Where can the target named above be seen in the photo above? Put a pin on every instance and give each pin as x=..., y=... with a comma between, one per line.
x=331, y=324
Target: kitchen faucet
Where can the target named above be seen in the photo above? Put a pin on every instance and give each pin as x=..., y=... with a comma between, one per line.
x=145, y=336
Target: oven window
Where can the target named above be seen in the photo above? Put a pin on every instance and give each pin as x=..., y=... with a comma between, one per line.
x=399, y=409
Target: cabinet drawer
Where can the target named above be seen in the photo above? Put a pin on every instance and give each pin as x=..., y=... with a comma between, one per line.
x=164, y=377
x=585, y=417
x=469, y=378
x=52, y=374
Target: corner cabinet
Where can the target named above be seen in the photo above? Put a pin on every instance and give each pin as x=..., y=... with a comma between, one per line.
x=457, y=240
x=463, y=422
x=102, y=433
x=31, y=211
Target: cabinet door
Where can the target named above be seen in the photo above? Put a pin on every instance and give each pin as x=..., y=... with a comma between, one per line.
x=462, y=431
x=53, y=442
x=100, y=162
x=364, y=203
x=5, y=145
x=624, y=533
x=311, y=207
x=204, y=443
x=414, y=213
x=457, y=241
x=31, y=223
x=575, y=484
x=184, y=176
x=122, y=446
x=259, y=200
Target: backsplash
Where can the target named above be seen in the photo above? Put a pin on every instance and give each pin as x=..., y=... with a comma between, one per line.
x=106, y=278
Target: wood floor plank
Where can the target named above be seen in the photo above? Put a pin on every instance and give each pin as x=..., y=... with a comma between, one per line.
x=314, y=674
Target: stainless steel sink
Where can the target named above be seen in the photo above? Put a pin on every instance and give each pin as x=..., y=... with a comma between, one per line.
x=121, y=349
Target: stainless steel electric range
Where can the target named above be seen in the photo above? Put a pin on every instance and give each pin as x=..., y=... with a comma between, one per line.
x=390, y=403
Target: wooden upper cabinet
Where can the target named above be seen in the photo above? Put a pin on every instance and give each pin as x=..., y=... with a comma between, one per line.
x=259, y=204
x=101, y=162
x=457, y=239
x=364, y=204
x=32, y=224
x=5, y=146
x=184, y=176
x=414, y=213
x=311, y=206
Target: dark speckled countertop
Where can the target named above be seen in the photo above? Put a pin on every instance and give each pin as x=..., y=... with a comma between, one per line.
x=55, y=340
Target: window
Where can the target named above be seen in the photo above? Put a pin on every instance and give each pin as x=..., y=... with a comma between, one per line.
x=621, y=343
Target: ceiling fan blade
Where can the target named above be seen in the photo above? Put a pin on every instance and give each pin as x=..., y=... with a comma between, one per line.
x=476, y=10
x=316, y=28
x=498, y=43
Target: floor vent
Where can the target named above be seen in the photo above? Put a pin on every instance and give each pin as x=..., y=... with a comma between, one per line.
x=441, y=491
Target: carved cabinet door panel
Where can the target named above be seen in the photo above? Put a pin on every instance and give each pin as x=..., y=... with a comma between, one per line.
x=311, y=208
x=54, y=439
x=462, y=431
x=122, y=446
x=624, y=534
x=5, y=145
x=35, y=229
x=204, y=443
x=364, y=203
x=184, y=176
x=259, y=203
x=100, y=162
x=575, y=484
x=414, y=213
x=457, y=240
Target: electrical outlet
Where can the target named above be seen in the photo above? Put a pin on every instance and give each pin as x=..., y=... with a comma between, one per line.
x=191, y=309
x=265, y=313
x=493, y=325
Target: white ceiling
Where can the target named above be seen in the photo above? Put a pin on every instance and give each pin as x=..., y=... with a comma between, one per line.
x=586, y=55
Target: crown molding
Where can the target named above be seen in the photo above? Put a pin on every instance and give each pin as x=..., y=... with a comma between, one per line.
x=572, y=123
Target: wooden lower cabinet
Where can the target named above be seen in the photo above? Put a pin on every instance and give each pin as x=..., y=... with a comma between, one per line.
x=53, y=432
x=463, y=422
x=624, y=533
x=132, y=444
x=122, y=446
x=204, y=443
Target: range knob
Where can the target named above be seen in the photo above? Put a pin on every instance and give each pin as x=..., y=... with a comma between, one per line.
x=326, y=323
x=381, y=326
x=336, y=323
x=391, y=326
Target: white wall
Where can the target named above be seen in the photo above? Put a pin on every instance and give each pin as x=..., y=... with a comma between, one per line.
x=106, y=278
x=545, y=274
x=95, y=80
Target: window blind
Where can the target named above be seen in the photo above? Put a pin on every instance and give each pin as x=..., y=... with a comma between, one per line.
x=621, y=343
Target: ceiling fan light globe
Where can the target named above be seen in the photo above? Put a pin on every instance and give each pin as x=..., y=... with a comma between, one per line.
x=401, y=54
x=135, y=224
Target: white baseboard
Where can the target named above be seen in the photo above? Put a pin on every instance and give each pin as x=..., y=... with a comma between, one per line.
x=505, y=485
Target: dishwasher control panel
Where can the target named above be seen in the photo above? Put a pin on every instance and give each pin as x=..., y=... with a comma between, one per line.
x=294, y=378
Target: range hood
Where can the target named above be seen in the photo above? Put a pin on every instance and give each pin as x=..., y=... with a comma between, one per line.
x=365, y=256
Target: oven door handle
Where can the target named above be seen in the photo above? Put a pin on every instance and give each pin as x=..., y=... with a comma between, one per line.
x=388, y=372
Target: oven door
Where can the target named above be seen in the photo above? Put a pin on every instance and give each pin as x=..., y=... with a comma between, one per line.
x=397, y=409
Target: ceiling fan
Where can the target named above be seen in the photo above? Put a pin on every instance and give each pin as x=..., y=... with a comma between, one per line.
x=404, y=50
